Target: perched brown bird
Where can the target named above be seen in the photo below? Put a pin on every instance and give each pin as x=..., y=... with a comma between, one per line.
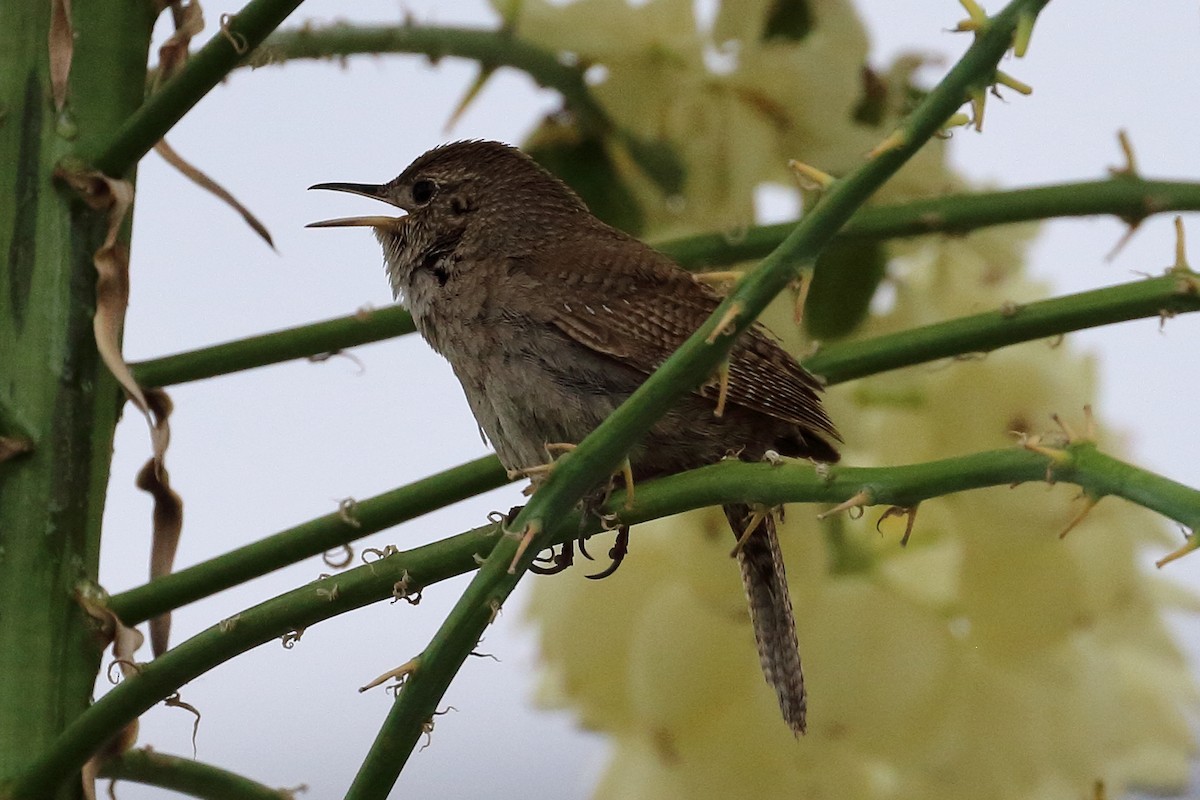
x=551, y=318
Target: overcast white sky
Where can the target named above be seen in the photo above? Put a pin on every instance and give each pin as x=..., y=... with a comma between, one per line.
x=263, y=450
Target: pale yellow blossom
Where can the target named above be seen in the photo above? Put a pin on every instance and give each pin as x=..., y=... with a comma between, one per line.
x=987, y=659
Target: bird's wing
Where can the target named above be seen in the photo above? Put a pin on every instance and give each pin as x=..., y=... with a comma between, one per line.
x=612, y=312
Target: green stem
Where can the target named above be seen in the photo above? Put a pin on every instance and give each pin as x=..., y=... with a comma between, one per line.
x=57, y=395
x=1174, y=293
x=729, y=481
x=308, y=539
x=1125, y=196
x=205, y=68
x=602, y=451
x=187, y=776
x=492, y=48
x=271, y=348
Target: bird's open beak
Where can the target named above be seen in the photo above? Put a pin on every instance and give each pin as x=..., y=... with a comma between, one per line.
x=374, y=191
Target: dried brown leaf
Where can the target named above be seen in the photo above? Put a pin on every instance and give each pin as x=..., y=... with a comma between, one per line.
x=125, y=642
x=112, y=287
x=13, y=446
x=62, y=48
x=175, y=701
x=167, y=519
x=189, y=21
x=209, y=185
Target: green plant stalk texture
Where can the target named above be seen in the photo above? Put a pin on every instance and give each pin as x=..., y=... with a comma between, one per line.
x=54, y=390
x=188, y=776
x=1081, y=464
x=1126, y=197
x=603, y=450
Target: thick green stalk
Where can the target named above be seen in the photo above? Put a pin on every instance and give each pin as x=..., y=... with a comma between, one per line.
x=603, y=450
x=53, y=385
x=730, y=481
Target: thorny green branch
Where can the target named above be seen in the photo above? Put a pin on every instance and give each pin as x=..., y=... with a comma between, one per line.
x=795, y=482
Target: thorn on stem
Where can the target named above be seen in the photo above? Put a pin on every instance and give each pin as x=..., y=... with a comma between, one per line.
x=860, y=499
x=1023, y=34
x=1089, y=502
x=727, y=324
x=809, y=177
x=400, y=674
x=1181, y=262
x=722, y=394
x=757, y=516
x=801, y=287
x=1189, y=544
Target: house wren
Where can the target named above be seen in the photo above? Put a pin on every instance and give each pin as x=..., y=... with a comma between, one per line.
x=550, y=319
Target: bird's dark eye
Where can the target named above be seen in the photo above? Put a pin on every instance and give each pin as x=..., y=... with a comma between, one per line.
x=422, y=191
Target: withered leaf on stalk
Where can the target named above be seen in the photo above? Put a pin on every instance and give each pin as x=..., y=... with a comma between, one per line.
x=13, y=446
x=175, y=701
x=192, y=173
x=189, y=21
x=62, y=48
x=112, y=287
x=125, y=642
x=168, y=520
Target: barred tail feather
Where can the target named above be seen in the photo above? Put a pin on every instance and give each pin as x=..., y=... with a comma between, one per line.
x=765, y=582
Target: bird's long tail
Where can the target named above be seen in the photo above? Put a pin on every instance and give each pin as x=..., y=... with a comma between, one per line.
x=765, y=581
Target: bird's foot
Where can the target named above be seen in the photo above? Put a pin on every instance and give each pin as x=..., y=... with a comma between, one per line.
x=556, y=562
x=617, y=553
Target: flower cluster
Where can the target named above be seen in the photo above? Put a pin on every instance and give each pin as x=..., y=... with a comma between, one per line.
x=989, y=658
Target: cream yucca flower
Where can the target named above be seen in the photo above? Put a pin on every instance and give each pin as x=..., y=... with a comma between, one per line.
x=988, y=658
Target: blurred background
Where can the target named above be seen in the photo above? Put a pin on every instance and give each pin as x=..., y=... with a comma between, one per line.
x=262, y=450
